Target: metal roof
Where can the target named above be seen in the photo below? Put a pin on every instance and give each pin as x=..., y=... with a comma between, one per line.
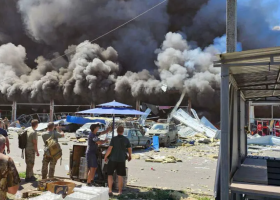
x=256, y=73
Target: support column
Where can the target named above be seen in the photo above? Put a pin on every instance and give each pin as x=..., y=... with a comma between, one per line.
x=239, y=127
x=138, y=105
x=51, y=110
x=225, y=134
x=14, y=111
x=231, y=31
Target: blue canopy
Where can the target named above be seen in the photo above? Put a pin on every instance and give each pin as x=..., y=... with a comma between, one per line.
x=113, y=108
x=112, y=111
x=114, y=104
x=81, y=120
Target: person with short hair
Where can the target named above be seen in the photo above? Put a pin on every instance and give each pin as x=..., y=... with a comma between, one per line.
x=30, y=150
x=91, y=152
x=49, y=161
x=5, y=134
x=9, y=179
x=117, y=151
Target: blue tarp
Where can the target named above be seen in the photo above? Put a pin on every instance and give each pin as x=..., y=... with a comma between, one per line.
x=81, y=120
x=156, y=143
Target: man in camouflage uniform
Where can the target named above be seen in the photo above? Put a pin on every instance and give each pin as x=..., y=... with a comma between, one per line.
x=30, y=150
x=46, y=158
x=9, y=178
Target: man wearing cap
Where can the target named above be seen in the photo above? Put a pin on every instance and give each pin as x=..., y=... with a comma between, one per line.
x=49, y=161
x=91, y=153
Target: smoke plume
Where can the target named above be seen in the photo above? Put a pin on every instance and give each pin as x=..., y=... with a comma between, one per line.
x=174, y=45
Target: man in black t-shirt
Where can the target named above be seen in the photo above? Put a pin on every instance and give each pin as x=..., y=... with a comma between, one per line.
x=5, y=134
x=118, y=149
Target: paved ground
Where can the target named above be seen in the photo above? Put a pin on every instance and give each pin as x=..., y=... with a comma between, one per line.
x=196, y=172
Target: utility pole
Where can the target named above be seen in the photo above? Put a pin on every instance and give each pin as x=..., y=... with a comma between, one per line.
x=231, y=33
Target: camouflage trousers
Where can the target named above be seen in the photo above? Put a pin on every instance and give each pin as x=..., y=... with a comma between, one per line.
x=48, y=161
x=29, y=160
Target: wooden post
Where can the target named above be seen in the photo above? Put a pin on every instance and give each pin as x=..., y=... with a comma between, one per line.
x=14, y=111
x=138, y=105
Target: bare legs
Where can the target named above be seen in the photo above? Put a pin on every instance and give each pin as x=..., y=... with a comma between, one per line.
x=120, y=184
x=110, y=183
x=91, y=174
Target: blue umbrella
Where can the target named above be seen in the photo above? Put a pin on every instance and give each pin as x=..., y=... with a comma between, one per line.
x=113, y=108
x=114, y=104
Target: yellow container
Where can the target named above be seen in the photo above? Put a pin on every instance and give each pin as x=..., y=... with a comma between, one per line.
x=61, y=187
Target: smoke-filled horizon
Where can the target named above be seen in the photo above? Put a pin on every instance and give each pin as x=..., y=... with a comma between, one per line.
x=174, y=45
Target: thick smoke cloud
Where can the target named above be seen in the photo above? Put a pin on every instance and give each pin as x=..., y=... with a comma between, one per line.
x=172, y=45
x=60, y=23
x=89, y=74
x=179, y=66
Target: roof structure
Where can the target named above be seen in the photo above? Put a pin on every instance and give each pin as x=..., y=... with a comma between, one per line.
x=256, y=73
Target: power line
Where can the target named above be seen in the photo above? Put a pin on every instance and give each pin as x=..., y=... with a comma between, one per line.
x=105, y=33
x=113, y=29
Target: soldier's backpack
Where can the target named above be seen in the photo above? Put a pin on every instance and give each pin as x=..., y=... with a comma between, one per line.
x=53, y=148
x=22, y=141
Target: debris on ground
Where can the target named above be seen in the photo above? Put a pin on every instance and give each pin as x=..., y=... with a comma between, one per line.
x=82, y=140
x=163, y=159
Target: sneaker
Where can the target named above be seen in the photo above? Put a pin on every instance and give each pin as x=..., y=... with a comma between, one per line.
x=89, y=184
x=111, y=194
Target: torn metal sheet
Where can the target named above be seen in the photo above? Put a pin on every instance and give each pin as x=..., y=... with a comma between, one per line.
x=42, y=126
x=144, y=117
x=207, y=123
x=195, y=115
x=186, y=119
x=186, y=132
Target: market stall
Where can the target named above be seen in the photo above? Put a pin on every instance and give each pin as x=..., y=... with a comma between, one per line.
x=247, y=76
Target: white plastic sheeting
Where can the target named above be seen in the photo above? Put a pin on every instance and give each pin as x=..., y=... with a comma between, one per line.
x=265, y=140
x=89, y=193
x=47, y=196
x=186, y=119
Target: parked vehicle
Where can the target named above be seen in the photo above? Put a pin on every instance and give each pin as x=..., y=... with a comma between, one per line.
x=84, y=131
x=166, y=132
x=136, y=138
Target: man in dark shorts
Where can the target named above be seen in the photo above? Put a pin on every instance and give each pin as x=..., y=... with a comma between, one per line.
x=118, y=149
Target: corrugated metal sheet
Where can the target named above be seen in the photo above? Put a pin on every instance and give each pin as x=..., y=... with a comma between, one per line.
x=255, y=72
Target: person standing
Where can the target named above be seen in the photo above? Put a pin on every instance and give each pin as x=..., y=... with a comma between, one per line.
x=47, y=160
x=5, y=134
x=91, y=152
x=117, y=151
x=9, y=179
x=6, y=123
x=30, y=150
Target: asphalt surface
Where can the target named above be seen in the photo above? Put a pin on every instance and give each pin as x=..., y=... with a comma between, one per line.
x=196, y=172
